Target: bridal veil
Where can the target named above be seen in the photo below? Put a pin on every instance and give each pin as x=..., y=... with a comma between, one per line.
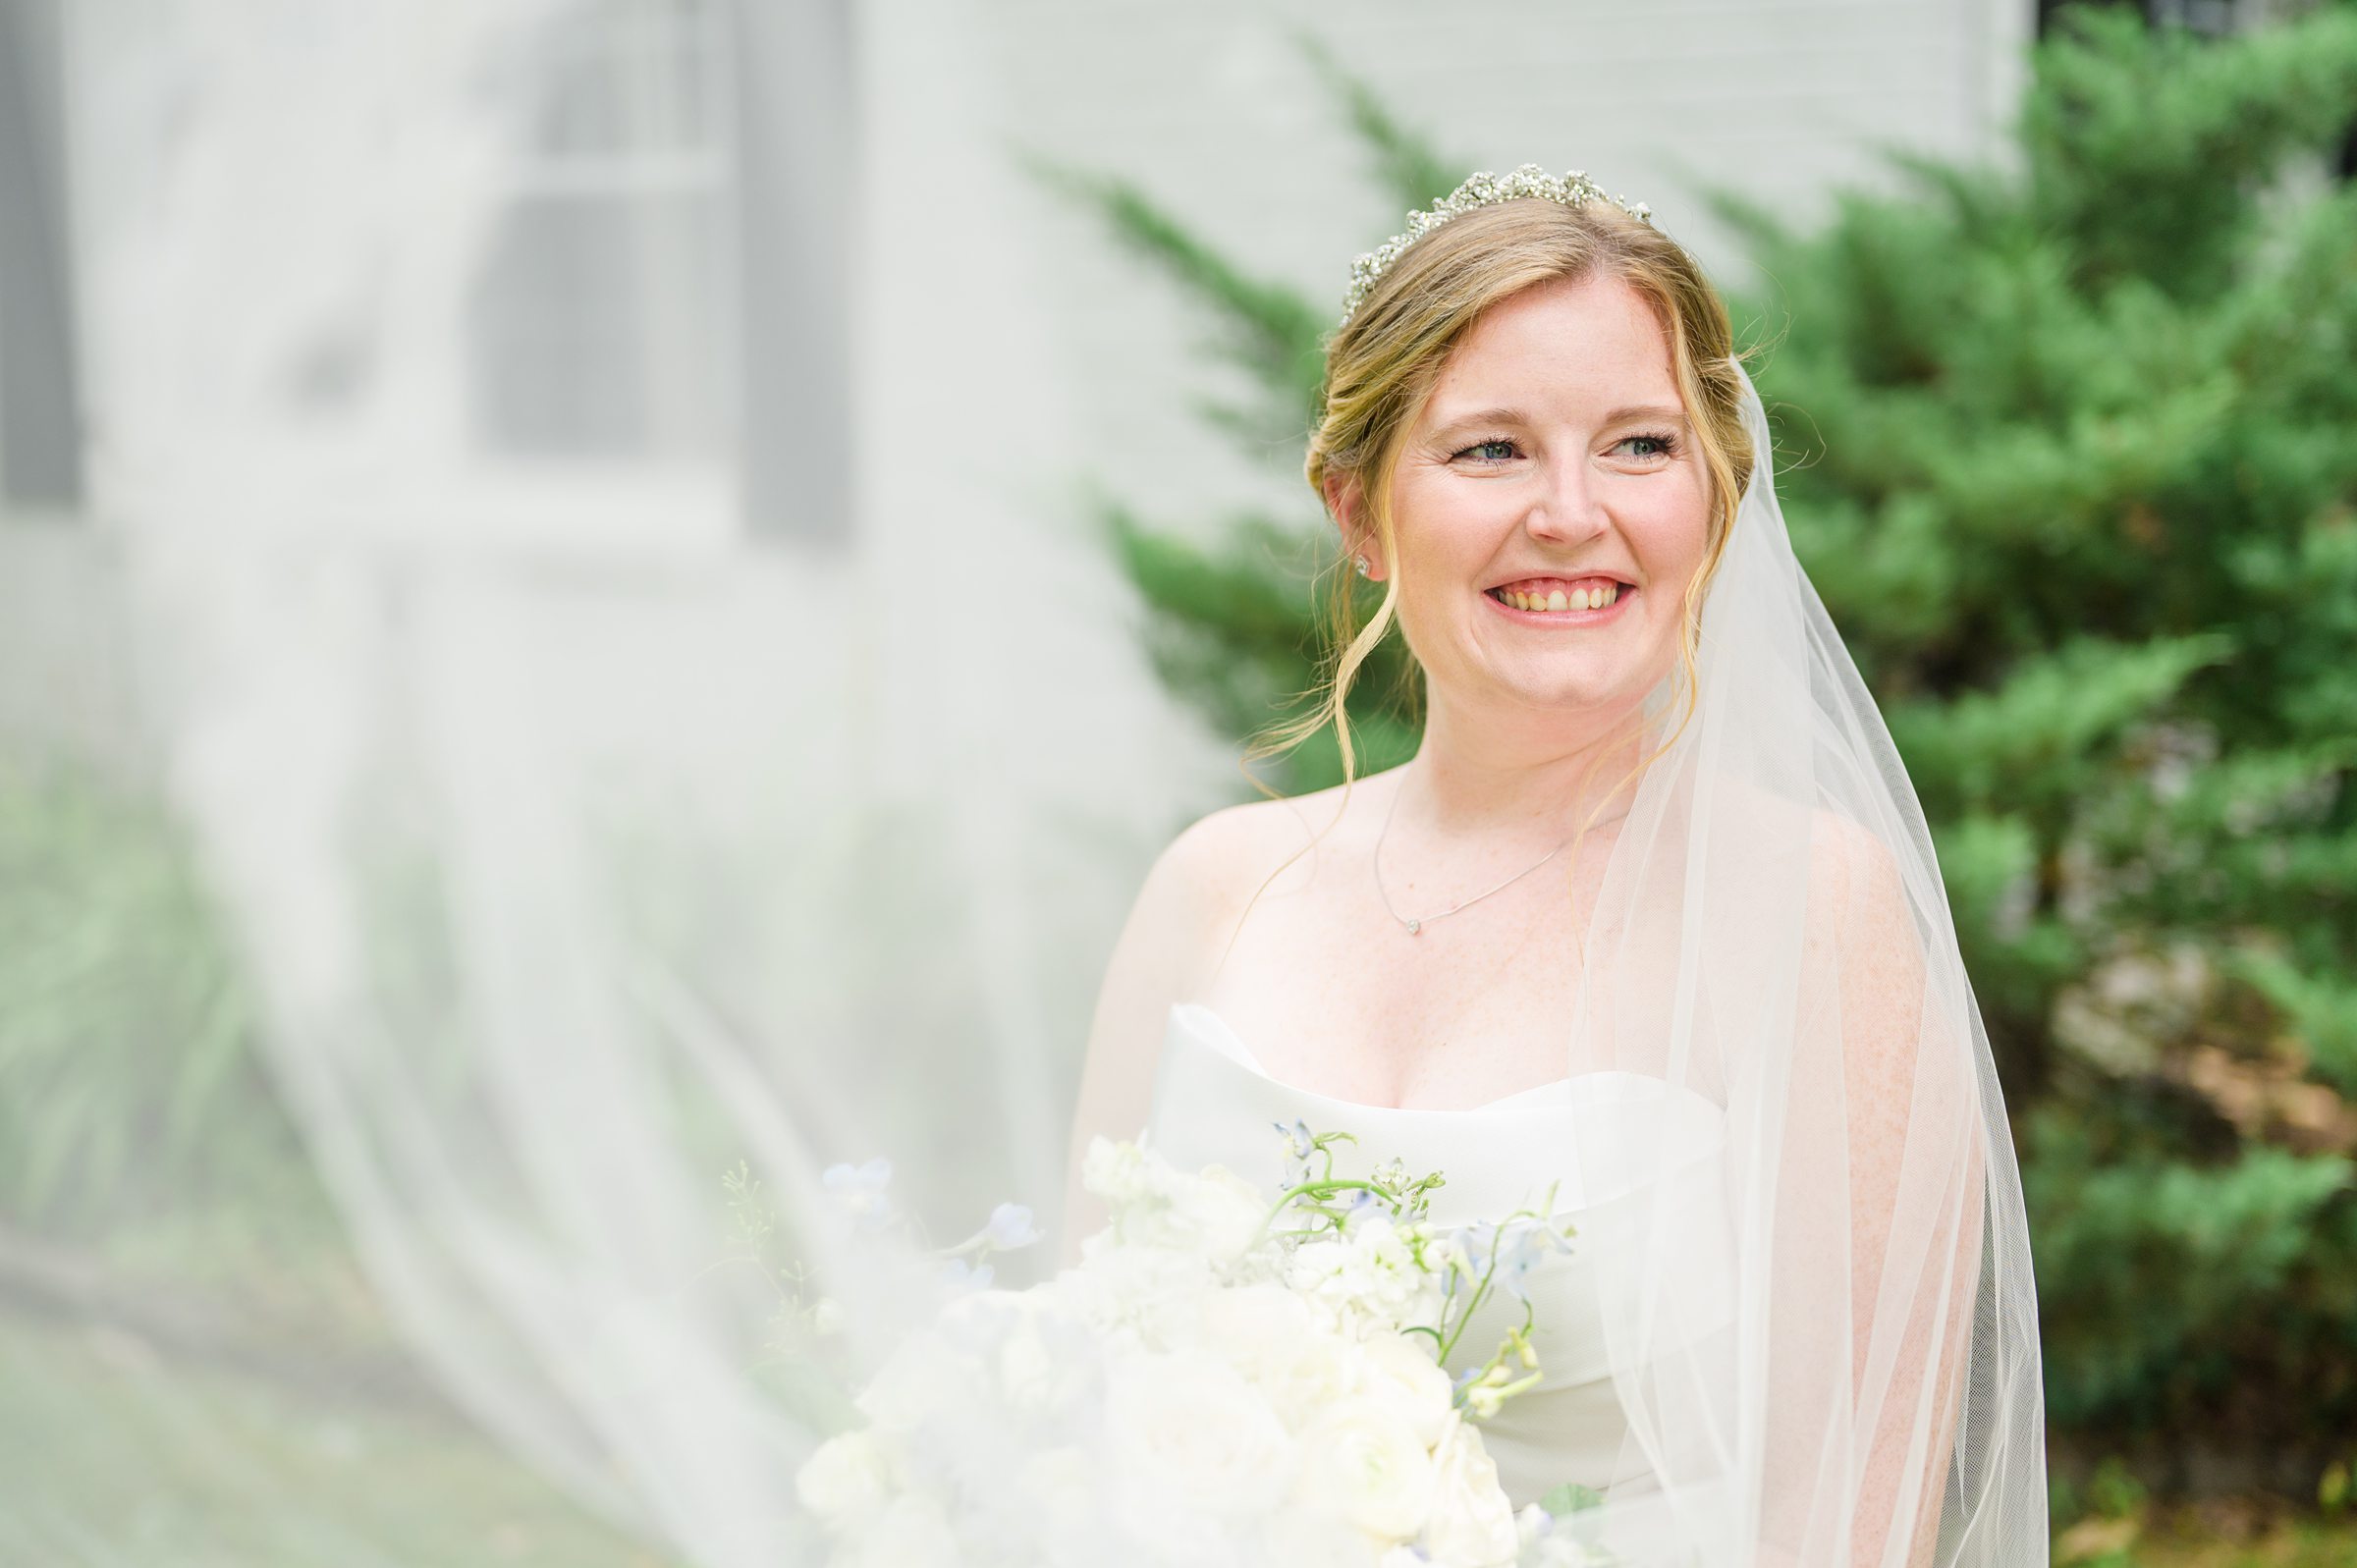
x=571, y=876
x=1822, y=1320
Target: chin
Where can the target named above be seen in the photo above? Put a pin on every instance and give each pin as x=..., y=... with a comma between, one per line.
x=1575, y=689
x=1576, y=694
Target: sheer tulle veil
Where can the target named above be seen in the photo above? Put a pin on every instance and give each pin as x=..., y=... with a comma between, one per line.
x=570, y=877
x=1772, y=935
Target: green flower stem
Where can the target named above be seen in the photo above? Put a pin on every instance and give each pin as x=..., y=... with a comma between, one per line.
x=1319, y=1188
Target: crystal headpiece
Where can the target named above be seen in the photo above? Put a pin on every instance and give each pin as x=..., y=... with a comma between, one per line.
x=1483, y=190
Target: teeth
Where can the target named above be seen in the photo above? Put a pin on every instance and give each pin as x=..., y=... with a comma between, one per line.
x=1557, y=599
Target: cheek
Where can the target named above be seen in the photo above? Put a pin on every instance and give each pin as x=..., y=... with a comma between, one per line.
x=1443, y=544
x=1678, y=534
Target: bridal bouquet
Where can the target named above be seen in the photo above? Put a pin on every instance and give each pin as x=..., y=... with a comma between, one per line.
x=1220, y=1381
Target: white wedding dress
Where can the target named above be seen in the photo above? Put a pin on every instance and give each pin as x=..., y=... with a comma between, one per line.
x=1213, y=1104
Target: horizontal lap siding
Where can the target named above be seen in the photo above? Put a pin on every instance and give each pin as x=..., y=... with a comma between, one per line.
x=1213, y=110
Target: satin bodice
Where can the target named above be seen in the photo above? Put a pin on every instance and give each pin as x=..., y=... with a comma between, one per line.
x=1596, y=1136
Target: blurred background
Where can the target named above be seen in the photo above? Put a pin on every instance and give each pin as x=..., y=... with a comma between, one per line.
x=946, y=355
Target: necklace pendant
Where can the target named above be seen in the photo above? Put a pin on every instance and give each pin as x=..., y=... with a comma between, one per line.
x=1414, y=926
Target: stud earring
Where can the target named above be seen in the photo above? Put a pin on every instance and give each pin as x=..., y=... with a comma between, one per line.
x=1363, y=569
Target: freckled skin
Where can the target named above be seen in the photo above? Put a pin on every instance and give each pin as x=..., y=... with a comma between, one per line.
x=1577, y=495
x=1320, y=978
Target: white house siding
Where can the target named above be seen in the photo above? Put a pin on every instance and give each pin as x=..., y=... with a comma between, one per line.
x=1211, y=107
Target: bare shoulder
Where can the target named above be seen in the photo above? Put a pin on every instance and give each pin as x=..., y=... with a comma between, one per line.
x=1883, y=970
x=1199, y=878
x=1208, y=874
x=1229, y=851
x=1166, y=950
x=1857, y=877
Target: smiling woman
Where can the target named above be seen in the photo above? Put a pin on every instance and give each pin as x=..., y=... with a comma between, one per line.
x=1736, y=1043
x=1565, y=485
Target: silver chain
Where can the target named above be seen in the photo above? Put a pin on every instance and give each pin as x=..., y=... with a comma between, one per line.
x=1413, y=927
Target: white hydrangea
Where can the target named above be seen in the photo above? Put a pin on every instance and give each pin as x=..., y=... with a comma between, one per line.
x=1369, y=1280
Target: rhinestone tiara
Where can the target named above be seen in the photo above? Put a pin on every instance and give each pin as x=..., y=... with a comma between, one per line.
x=1483, y=190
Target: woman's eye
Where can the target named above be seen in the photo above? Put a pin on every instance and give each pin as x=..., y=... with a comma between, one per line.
x=1663, y=444
x=1504, y=447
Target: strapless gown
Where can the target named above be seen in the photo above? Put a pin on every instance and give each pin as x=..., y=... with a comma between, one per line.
x=1213, y=1104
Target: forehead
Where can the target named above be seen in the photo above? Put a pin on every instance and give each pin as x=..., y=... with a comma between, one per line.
x=1563, y=345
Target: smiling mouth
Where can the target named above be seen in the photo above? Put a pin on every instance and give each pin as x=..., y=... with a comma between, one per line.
x=1556, y=601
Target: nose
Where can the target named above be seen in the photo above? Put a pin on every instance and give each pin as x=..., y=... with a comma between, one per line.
x=1571, y=509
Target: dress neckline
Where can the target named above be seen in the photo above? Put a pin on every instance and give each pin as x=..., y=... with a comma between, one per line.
x=1203, y=1025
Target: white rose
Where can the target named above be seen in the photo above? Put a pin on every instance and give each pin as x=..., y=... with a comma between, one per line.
x=1249, y=1323
x=1472, y=1524
x=1329, y=1368
x=846, y=1480
x=1040, y=1378
x=922, y=1379
x=1218, y=1214
x=1255, y=1329
x=1150, y=1295
x=1272, y=1339
x=1189, y=1425
x=1117, y=1173
x=1361, y=1462
x=1297, y=1538
x=911, y=1530
x=1400, y=1366
x=980, y=1316
x=1059, y=1486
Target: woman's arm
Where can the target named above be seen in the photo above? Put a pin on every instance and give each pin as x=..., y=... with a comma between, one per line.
x=1873, y=1270
x=1916, y=1187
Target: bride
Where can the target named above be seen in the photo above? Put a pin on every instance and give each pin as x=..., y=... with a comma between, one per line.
x=1652, y=917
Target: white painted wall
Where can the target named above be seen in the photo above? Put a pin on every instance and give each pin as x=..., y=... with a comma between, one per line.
x=66, y=677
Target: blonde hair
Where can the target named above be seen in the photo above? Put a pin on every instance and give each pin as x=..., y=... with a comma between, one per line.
x=1382, y=365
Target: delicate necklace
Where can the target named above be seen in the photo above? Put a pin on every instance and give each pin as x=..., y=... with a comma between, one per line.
x=1413, y=927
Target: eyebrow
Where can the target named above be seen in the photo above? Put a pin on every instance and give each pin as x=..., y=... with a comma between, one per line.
x=1515, y=417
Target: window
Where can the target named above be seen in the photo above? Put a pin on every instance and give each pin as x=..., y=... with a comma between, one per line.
x=595, y=329
x=671, y=271
x=40, y=395
x=2200, y=15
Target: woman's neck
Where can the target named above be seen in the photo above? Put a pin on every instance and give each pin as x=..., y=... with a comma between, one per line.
x=1485, y=774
